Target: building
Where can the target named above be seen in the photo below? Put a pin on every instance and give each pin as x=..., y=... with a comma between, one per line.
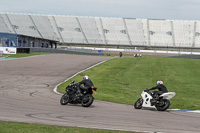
x=45, y=30
x=17, y=40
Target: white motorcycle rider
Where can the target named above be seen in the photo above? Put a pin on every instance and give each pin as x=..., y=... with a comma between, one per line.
x=161, y=102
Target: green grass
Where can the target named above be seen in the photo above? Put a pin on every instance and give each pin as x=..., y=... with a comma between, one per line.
x=14, y=127
x=19, y=55
x=122, y=80
x=26, y=54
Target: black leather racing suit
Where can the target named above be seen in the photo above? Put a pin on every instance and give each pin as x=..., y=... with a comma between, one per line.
x=87, y=83
x=162, y=89
x=84, y=85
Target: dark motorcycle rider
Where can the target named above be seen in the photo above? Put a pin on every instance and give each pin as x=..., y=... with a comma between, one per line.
x=162, y=89
x=85, y=84
x=120, y=54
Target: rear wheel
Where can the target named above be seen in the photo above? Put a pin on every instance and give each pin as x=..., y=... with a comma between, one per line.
x=64, y=99
x=87, y=100
x=138, y=103
x=163, y=105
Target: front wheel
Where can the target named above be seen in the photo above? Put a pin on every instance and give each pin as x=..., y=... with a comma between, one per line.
x=87, y=100
x=163, y=105
x=64, y=99
x=138, y=103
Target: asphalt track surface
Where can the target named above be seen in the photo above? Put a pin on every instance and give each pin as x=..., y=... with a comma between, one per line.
x=26, y=95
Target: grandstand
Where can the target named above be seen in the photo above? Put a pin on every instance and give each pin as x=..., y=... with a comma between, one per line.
x=103, y=31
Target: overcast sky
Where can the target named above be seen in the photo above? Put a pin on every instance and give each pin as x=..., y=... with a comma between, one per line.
x=155, y=9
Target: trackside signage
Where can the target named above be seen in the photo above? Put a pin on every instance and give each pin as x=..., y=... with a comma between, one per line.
x=8, y=50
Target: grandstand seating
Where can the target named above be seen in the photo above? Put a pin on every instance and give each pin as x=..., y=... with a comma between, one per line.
x=22, y=24
x=100, y=30
x=55, y=28
x=146, y=32
x=3, y=27
x=115, y=31
x=135, y=31
x=183, y=33
x=160, y=33
x=8, y=23
x=90, y=30
x=44, y=27
x=197, y=35
x=104, y=31
x=70, y=29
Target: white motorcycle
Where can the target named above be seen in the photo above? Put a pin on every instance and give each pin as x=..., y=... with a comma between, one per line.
x=162, y=103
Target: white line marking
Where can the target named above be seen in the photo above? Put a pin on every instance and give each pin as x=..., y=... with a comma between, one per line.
x=186, y=110
x=55, y=89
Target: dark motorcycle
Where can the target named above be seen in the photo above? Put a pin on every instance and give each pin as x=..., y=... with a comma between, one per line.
x=86, y=99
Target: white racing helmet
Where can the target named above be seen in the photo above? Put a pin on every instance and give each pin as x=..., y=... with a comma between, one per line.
x=159, y=82
x=85, y=77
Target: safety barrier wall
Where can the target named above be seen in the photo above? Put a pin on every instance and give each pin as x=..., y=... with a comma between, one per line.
x=175, y=52
x=69, y=51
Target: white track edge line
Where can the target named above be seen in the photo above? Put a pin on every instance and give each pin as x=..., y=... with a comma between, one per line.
x=55, y=89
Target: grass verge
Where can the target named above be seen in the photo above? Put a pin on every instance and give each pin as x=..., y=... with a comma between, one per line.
x=122, y=80
x=15, y=127
x=26, y=54
x=19, y=55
